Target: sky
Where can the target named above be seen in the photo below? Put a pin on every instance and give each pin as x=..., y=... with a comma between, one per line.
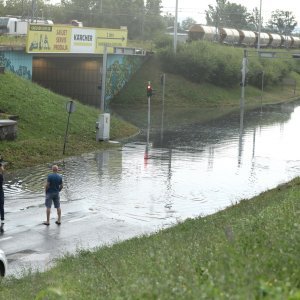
x=196, y=8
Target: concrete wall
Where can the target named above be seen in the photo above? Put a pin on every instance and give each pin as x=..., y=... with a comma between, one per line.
x=120, y=69
x=8, y=130
x=73, y=76
x=17, y=62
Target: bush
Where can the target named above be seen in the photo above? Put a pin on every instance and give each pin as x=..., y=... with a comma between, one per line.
x=202, y=61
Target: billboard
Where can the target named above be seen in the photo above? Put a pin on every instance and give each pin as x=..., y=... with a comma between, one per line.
x=69, y=39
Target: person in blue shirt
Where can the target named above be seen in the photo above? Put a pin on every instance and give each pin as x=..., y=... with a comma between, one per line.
x=53, y=186
x=1, y=198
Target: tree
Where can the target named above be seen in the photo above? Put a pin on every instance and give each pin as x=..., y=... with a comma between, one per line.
x=283, y=22
x=227, y=14
x=23, y=8
x=153, y=20
x=169, y=20
x=254, y=20
x=17, y=7
x=2, y=11
x=142, y=20
x=187, y=23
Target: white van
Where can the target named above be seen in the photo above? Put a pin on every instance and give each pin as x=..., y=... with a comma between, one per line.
x=3, y=263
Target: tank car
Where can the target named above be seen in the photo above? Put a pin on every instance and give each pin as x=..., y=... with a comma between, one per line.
x=248, y=38
x=287, y=41
x=230, y=36
x=296, y=42
x=203, y=32
x=276, y=40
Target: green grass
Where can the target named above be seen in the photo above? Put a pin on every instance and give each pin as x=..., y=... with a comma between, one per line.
x=248, y=251
x=42, y=124
x=181, y=95
x=180, y=92
x=12, y=41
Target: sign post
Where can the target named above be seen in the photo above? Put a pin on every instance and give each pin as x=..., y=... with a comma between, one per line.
x=163, y=83
x=70, y=107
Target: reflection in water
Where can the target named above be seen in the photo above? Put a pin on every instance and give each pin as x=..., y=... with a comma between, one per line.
x=191, y=169
x=241, y=135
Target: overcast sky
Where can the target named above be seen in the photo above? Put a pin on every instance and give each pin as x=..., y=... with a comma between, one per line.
x=196, y=8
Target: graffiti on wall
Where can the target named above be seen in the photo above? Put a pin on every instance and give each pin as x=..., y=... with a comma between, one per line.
x=17, y=63
x=120, y=68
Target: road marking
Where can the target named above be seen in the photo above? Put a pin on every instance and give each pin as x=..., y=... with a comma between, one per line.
x=7, y=238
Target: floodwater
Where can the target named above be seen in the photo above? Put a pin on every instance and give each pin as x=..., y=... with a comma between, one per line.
x=189, y=169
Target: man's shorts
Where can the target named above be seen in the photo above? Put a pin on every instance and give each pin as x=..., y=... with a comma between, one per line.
x=52, y=197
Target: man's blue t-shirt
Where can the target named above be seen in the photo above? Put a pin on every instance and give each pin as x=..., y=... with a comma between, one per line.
x=55, y=181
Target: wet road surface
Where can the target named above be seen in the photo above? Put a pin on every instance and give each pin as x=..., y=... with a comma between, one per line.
x=192, y=169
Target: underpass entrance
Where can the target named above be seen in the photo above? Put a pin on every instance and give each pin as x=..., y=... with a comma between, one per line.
x=77, y=77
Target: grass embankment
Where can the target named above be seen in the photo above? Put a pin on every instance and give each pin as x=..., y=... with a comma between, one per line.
x=42, y=124
x=248, y=251
x=184, y=94
x=43, y=117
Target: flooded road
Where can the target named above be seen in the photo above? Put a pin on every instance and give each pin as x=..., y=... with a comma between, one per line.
x=190, y=169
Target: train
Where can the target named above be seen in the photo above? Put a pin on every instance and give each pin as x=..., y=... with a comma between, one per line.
x=244, y=38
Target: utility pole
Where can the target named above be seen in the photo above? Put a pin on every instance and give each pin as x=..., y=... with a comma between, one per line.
x=259, y=27
x=103, y=124
x=33, y=10
x=244, y=71
x=103, y=81
x=175, y=27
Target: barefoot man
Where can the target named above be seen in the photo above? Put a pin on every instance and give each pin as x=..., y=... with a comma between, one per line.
x=53, y=186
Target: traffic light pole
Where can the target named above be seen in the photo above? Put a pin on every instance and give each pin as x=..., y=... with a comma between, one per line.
x=148, y=130
x=149, y=94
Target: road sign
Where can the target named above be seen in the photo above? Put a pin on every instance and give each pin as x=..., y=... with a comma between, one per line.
x=70, y=107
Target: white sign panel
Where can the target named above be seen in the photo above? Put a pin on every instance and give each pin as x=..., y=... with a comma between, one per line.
x=83, y=40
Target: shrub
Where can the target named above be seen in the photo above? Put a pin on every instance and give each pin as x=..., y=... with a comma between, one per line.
x=202, y=61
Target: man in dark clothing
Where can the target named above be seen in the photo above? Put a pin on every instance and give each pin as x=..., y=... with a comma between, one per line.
x=53, y=186
x=1, y=198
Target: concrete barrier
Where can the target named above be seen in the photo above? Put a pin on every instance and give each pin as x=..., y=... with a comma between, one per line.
x=8, y=130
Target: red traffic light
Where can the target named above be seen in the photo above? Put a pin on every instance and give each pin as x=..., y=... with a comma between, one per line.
x=149, y=90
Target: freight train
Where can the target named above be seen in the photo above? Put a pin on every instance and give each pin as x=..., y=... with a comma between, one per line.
x=245, y=38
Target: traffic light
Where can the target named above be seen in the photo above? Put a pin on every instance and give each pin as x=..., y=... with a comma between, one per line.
x=149, y=90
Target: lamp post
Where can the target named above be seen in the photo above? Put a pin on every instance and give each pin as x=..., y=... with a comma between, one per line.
x=259, y=27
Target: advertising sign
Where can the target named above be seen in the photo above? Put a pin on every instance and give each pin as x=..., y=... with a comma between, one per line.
x=69, y=39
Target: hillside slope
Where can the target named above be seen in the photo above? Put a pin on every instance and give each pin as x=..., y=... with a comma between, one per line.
x=42, y=124
x=181, y=92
